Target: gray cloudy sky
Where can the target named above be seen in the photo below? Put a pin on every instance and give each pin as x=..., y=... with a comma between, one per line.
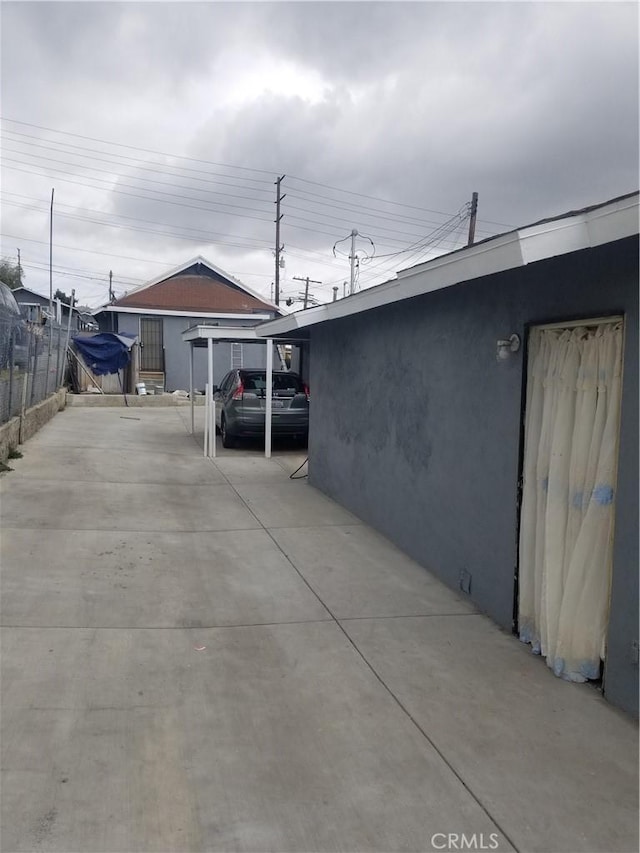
x=162, y=127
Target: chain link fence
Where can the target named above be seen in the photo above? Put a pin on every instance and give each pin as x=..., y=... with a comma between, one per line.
x=33, y=363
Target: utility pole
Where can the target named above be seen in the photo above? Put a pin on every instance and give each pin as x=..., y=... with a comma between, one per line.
x=472, y=221
x=19, y=269
x=51, y=258
x=279, y=248
x=307, y=280
x=352, y=260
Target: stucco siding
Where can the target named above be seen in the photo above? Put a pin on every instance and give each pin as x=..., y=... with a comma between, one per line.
x=415, y=426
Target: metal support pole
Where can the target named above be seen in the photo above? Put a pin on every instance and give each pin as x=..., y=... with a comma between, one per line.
x=206, y=420
x=25, y=380
x=51, y=256
x=34, y=370
x=269, y=405
x=11, y=360
x=57, y=385
x=191, y=387
x=68, y=338
x=212, y=410
x=46, y=383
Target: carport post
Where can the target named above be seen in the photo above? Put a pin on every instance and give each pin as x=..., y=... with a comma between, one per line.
x=212, y=405
x=269, y=407
x=193, y=429
x=205, y=445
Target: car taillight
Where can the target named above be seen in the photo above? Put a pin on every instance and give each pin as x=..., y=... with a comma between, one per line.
x=237, y=394
x=306, y=391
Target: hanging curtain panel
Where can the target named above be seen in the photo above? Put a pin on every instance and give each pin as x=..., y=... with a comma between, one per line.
x=568, y=499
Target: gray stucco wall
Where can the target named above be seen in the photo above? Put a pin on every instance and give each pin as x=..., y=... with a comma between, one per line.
x=415, y=427
x=177, y=352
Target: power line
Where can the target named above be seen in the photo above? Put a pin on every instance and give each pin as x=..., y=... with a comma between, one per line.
x=425, y=240
x=88, y=251
x=384, y=200
x=137, y=219
x=293, y=224
x=348, y=221
x=94, y=275
x=189, y=238
x=164, y=201
x=137, y=148
x=418, y=248
x=229, y=166
x=92, y=151
x=348, y=206
x=128, y=177
x=359, y=208
x=135, y=195
x=142, y=188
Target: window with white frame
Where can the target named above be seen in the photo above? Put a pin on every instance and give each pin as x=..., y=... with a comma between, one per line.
x=236, y=356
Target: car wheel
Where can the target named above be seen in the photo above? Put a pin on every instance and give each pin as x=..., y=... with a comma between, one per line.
x=227, y=440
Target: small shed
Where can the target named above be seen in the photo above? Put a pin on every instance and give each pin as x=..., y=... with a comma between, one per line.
x=104, y=362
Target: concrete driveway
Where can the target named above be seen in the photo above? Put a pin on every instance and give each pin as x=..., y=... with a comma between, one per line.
x=209, y=656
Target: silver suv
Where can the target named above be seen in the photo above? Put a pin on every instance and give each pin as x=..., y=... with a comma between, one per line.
x=241, y=403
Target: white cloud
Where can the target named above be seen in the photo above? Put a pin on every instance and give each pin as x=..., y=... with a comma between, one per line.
x=534, y=105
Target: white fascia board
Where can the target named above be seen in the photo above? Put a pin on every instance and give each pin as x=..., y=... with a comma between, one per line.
x=115, y=309
x=288, y=324
x=220, y=333
x=581, y=231
x=554, y=238
x=500, y=254
x=614, y=224
x=514, y=249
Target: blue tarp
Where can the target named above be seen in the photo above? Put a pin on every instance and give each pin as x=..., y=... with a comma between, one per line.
x=105, y=352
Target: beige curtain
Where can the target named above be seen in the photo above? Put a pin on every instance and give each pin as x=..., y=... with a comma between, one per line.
x=571, y=435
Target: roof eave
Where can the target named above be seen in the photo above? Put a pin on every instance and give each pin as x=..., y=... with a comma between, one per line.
x=593, y=227
x=179, y=312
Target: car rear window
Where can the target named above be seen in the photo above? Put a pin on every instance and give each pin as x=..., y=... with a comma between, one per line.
x=257, y=381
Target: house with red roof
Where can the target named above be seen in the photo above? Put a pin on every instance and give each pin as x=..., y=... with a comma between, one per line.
x=195, y=293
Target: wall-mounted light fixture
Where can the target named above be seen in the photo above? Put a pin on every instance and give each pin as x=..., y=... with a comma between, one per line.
x=506, y=347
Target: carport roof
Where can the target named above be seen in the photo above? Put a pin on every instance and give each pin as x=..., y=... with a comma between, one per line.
x=200, y=335
x=570, y=232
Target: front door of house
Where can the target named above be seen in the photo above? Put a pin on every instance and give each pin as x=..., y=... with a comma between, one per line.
x=151, y=345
